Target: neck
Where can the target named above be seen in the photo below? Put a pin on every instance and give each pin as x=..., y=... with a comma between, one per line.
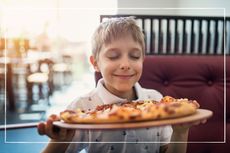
x=130, y=95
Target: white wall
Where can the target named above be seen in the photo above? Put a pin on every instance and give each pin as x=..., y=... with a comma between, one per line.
x=205, y=4
x=180, y=4
x=147, y=3
x=128, y=6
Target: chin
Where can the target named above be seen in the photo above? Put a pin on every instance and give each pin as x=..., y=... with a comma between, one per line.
x=124, y=88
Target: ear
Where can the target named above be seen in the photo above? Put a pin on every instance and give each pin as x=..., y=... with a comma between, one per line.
x=94, y=63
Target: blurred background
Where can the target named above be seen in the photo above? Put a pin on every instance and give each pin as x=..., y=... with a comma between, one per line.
x=45, y=46
x=44, y=50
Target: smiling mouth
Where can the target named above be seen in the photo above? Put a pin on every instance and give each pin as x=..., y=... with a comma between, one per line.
x=124, y=76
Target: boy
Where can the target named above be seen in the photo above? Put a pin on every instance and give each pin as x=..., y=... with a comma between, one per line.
x=118, y=54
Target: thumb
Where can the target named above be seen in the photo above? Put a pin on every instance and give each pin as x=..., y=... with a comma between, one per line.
x=54, y=117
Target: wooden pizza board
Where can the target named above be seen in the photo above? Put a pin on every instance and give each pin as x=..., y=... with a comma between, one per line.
x=201, y=114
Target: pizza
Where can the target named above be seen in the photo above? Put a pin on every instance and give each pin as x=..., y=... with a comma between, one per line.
x=167, y=107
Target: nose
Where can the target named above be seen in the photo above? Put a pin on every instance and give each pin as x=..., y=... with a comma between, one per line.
x=125, y=64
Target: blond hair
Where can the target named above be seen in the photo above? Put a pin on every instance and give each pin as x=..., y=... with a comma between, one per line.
x=113, y=29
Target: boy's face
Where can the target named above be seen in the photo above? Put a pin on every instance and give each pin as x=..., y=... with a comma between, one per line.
x=120, y=64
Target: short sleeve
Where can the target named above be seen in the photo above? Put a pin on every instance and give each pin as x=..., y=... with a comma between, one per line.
x=75, y=104
x=153, y=94
x=166, y=133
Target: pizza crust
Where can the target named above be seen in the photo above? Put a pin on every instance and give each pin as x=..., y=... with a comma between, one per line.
x=168, y=107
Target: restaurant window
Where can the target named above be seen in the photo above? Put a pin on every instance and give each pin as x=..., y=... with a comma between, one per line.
x=44, y=52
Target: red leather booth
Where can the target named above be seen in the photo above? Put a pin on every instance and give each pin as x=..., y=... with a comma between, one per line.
x=202, y=78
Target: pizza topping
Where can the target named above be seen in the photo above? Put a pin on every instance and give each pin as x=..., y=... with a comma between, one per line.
x=168, y=107
x=169, y=110
x=103, y=107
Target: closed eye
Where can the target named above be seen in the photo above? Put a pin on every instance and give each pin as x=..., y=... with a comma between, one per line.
x=113, y=57
x=135, y=57
x=135, y=54
x=113, y=54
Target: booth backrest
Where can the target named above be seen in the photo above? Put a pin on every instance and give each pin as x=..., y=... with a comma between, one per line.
x=202, y=78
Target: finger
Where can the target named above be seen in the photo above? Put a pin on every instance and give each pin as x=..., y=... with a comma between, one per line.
x=203, y=121
x=184, y=125
x=70, y=134
x=41, y=128
x=49, y=129
x=54, y=117
x=196, y=123
x=63, y=133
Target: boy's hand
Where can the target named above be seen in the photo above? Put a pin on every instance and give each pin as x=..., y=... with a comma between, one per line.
x=185, y=127
x=180, y=134
x=55, y=133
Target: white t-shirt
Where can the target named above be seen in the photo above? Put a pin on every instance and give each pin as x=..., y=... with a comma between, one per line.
x=117, y=141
